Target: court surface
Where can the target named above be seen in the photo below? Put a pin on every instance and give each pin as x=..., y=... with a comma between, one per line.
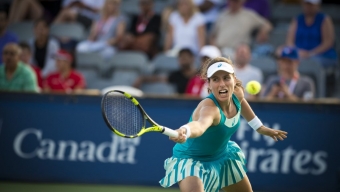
x=36, y=187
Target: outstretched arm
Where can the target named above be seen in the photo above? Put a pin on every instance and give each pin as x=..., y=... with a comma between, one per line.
x=203, y=118
x=249, y=115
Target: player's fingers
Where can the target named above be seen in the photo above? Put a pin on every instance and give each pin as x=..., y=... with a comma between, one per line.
x=283, y=135
x=279, y=136
x=283, y=132
x=275, y=139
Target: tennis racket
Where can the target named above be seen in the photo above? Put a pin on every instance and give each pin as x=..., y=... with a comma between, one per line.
x=125, y=116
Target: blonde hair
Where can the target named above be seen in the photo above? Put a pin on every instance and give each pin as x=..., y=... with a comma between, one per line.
x=209, y=62
x=193, y=6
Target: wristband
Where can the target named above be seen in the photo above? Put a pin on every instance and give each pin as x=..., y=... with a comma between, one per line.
x=255, y=123
x=188, y=133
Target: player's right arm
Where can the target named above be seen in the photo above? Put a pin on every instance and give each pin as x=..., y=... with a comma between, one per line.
x=206, y=115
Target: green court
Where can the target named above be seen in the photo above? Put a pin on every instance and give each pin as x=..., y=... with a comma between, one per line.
x=35, y=187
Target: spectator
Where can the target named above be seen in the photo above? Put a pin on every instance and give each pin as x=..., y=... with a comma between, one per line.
x=144, y=31
x=14, y=75
x=196, y=86
x=26, y=58
x=236, y=24
x=80, y=11
x=210, y=10
x=312, y=33
x=43, y=47
x=186, y=28
x=25, y=10
x=66, y=79
x=5, y=36
x=288, y=84
x=106, y=32
x=179, y=78
x=243, y=70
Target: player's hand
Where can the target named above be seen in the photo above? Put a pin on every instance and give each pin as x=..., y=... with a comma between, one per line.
x=275, y=134
x=181, y=136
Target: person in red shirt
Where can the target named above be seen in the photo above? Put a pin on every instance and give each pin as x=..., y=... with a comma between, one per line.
x=26, y=57
x=196, y=86
x=66, y=79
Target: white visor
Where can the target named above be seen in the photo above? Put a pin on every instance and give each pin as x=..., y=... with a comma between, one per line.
x=219, y=66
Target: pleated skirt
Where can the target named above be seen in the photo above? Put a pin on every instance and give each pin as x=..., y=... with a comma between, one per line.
x=227, y=170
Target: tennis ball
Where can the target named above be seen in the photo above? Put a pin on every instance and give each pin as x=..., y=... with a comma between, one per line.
x=253, y=87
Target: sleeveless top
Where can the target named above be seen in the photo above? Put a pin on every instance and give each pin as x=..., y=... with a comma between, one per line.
x=212, y=145
x=309, y=37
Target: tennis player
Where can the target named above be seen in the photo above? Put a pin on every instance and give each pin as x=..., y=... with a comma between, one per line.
x=204, y=158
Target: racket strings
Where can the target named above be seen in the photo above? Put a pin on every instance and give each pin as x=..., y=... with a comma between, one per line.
x=123, y=115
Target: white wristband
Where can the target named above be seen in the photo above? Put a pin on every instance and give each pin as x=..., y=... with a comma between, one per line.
x=255, y=123
x=188, y=130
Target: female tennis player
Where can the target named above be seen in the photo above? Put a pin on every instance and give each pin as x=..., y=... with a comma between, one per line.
x=204, y=158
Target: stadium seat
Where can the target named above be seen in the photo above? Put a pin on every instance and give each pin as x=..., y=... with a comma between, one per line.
x=89, y=60
x=24, y=30
x=70, y=30
x=127, y=66
x=315, y=70
x=284, y=12
x=164, y=64
x=158, y=89
x=278, y=37
x=90, y=75
x=130, y=7
x=266, y=64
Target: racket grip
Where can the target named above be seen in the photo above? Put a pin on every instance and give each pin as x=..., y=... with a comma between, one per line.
x=170, y=132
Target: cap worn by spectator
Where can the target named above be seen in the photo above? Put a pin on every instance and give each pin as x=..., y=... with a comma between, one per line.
x=63, y=55
x=290, y=53
x=210, y=52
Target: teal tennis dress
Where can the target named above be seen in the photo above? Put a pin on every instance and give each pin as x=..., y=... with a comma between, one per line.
x=212, y=157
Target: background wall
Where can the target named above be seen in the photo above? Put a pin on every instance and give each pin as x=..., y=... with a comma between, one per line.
x=58, y=138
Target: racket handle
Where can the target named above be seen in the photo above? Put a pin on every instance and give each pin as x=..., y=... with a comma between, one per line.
x=169, y=132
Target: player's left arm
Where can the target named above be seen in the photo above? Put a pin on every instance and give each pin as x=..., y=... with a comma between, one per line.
x=248, y=113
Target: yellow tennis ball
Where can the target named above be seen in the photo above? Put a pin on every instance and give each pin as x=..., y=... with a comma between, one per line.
x=253, y=87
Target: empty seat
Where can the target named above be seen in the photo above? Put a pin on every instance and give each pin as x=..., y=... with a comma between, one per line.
x=24, y=30
x=314, y=69
x=124, y=77
x=90, y=75
x=266, y=64
x=89, y=60
x=164, y=64
x=70, y=30
x=159, y=89
x=278, y=37
x=284, y=12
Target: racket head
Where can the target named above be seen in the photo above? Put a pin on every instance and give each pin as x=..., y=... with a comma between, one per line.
x=125, y=116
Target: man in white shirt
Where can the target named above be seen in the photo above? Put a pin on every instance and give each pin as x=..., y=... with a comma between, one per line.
x=243, y=70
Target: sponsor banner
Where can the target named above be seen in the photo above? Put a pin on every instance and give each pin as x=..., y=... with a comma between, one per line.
x=56, y=138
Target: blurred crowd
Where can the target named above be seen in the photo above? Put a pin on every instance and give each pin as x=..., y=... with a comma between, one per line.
x=158, y=46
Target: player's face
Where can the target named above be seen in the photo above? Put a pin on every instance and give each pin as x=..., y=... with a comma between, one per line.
x=222, y=85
